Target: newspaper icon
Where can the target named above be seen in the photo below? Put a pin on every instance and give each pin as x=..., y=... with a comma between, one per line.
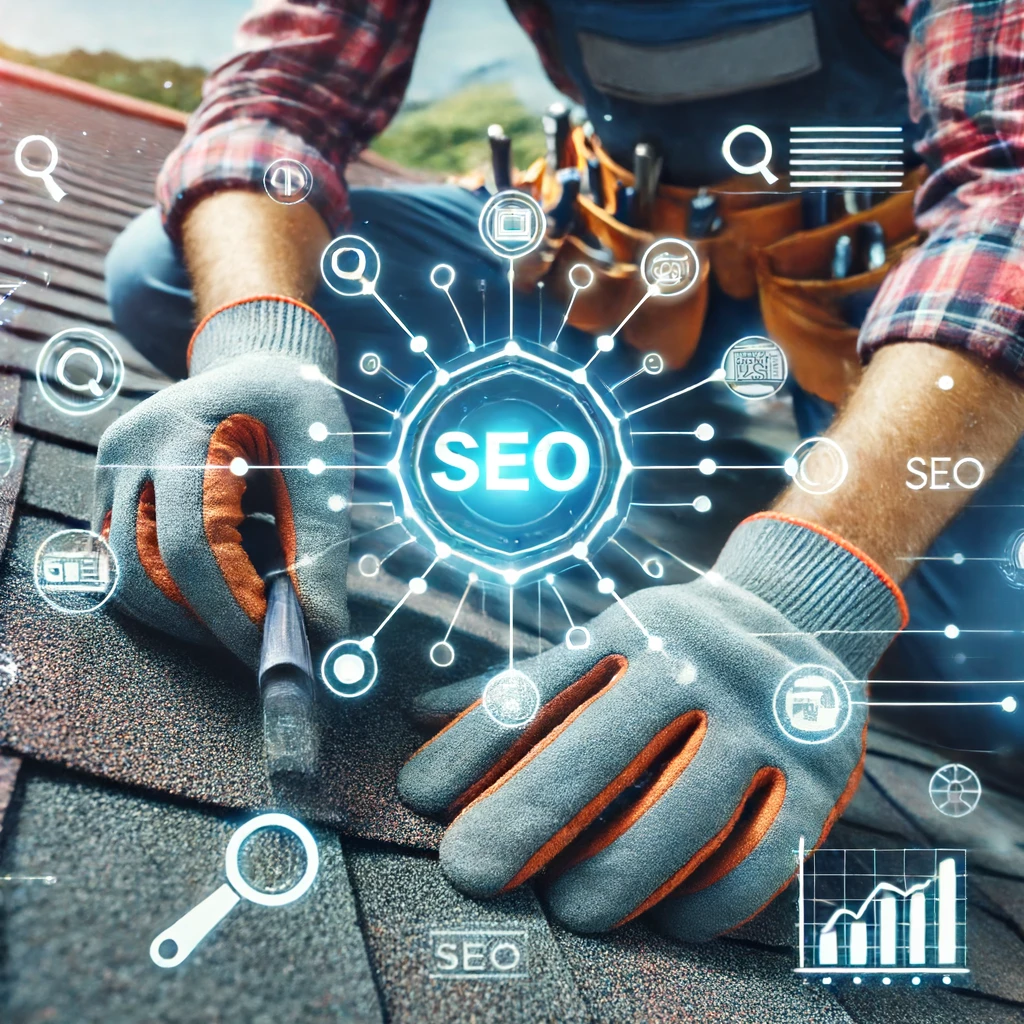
x=79, y=572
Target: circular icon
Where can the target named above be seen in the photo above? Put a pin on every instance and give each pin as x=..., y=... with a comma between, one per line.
x=955, y=790
x=512, y=224
x=653, y=363
x=761, y=166
x=442, y=654
x=370, y=363
x=577, y=638
x=75, y=571
x=754, y=368
x=234, y=850
x=369, y=565
x=817, y=465
x=288, y=181
x=442, y=276
x=511, y=699
x=670, y=266
x=811, y=704
x=349, y=668
x=79, y=371
x=1012, y=565
x=350, y=265
x=581, y=276
x=7, y=455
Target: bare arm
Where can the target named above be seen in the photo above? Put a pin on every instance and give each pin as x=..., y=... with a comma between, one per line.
x=239, y=244
x=897, y=413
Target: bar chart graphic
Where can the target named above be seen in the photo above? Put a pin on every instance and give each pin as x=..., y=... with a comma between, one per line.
x=882, y=911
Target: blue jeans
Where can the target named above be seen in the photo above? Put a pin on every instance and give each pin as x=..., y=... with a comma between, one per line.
x=416, y=228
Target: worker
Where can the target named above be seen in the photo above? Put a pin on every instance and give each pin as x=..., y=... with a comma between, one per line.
x=818, y=580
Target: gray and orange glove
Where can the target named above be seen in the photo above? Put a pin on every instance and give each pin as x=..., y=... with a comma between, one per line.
x=171, y=504
x=656, y=779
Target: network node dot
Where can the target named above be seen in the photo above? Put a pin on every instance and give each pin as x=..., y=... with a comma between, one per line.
x=887, y=981
x=707, y=466
x=702, y=503
x=239, y=466
x=418, y=585
x=310, y=372
x=704, y=432
x=366, y=643
x=336, y=503
x=442, y=550
x=443, y=376
x=790, y=466
x=580, y=550
x=392, y=467
x=512, y=348
x=473, y=577
x=550, y=578
x=318, y=431
x=915, y=980
x=605, y=585
x=418, y=343
x=958, y=559
x=605, y=343
x=655, y=643
x=316, y=466
x=946, y=979
x=951, y=631
x=1009, y=704
x=510, y=576
x=945, y=382
x=579, y=375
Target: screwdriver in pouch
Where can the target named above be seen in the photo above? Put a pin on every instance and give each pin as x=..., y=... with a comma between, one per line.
x=563, y=214
x=556, y=132
x=501, y=157
x=287, y=691
x=646, y=174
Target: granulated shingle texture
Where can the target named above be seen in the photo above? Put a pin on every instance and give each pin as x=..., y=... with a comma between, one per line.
x=402, y=898
x=77, y=951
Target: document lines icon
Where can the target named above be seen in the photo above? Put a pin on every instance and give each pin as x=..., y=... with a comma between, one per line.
x=883, y=912
x=847, y=158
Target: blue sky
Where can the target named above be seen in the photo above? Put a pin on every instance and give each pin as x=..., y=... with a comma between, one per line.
x=461, y=35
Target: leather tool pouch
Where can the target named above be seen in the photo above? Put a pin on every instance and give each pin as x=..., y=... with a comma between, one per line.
x=808, y=313
x=760, y=249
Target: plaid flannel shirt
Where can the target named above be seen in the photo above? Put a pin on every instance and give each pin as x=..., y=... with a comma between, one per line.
x=317, y=81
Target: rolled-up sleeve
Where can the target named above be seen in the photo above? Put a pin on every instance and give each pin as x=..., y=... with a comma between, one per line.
x=964, y=287
x=309, y=81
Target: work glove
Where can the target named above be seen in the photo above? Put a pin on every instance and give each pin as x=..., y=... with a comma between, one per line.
x=170, y=503
x=655, y=778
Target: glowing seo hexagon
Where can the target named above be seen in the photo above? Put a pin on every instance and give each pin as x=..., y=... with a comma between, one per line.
x=511, y=460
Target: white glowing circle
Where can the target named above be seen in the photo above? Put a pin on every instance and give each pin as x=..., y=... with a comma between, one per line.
x=442, y=550
x=818, y=465
x=687, y=673
x=951, y=631
x=955, y=790
x=442, y=377
x=370, y=363
x=307, y=371
x=511, y=699
x=702, y=503
x=316, y=466
x=510, y=576
x=336, y=503
x=579, y=375
x=1009, y=704
x=512, y=224
x=577, y=638
x=349, y=668
x=350, y=266
x=418, y=585
x=239, y=466
x=76, y=571
x=605, y=343
x=945, y=382
x=605, y=585
x=473, y=577
x=442, y=654
x=670, y=266
x=442, y=276
x=580, y=550
x=318, y=431
x=513, y=348
x=369, y=565
x=704, y=432
x=286, y=181
x=655, y=643
x=581, y=276
x=654, y=568
x=812, y=704
x=418, y=343
x=707, y=466
x=653, y=363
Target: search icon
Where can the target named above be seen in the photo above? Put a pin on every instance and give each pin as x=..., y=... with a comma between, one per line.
x=759, y=168
x=92, y=385
x=178, y=941
x=56, y=192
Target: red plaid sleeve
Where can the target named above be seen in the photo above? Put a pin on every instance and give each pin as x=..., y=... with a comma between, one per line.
x=965, y=286
x=311, y=81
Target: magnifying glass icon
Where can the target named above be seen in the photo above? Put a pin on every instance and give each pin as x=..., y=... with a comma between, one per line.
x=93, y=383
x=56, y=192
x=759, y=168
x=173, y=945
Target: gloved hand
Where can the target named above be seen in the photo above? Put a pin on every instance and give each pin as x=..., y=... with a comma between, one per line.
x=171, y=504
x=711, y=835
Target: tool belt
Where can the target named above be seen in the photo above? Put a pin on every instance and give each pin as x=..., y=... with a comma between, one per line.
x=761, y=250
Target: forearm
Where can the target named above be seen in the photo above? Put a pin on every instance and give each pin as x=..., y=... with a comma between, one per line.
x=898, y=413
x=239, y=244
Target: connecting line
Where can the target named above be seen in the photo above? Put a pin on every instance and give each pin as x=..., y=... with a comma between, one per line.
x=352, y=394
x=462, y=323
x=629, y=316
x=661, y=504
x=622, y=604
x=716, y=467
x=719, y=374
x=565, y=319
x=658, y=433
x=398, y=380
x=311, y=559
x=358, y=433
x=391, y=313
x=565, y=607
x=921, y=632
x=210, y=465
x=626, y=380
x=622, y=547
x=402, y=600
x=676, y=558
x=458, y=608
x=511, y=296
x=397, y=547
x=929, y=703
x=511, y=606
